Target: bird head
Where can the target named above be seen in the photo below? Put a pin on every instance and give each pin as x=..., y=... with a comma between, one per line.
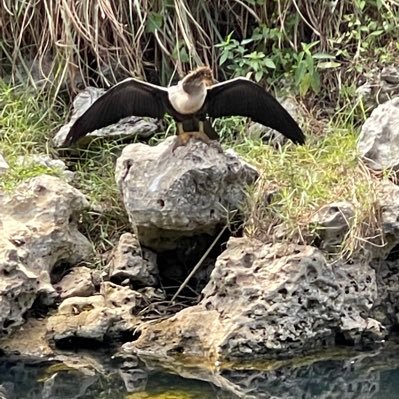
x=199, y=76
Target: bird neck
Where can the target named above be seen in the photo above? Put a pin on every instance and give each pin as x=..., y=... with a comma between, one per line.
x=193, y=88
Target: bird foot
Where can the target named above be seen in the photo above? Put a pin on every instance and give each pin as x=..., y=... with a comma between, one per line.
x=183, y=138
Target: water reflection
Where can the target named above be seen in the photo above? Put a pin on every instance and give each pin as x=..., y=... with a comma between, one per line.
x=361, y=375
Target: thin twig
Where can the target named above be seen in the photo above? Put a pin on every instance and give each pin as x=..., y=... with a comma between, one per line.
x=199, y=263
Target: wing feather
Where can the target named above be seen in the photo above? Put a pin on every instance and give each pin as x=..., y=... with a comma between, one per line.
x=127, y=98
x=242, y=97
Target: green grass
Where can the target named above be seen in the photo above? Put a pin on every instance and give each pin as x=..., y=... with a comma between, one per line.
x=26, y=123
x=95, y=177
x=303, y=179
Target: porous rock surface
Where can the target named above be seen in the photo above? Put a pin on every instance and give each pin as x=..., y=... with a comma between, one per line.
x=269, y=300
x=38, y=229
x=94, y=318
x=379, y=138
x=386, y=309
x=132, y=263
x=131, y=126
x=171, y=193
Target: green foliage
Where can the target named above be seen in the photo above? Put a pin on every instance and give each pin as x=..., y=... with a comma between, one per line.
x=26, y=122
x=303, y=179
x=243, y=61
x=60, y=41
x=341, y=32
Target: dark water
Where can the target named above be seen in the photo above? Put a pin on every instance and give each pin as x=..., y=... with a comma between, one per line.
x=364, y=375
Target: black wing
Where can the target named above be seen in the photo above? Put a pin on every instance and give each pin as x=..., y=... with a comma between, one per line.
x=130, y=97
x=242, y=97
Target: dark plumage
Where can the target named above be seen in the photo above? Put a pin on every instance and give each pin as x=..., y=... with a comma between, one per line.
x=189, y=103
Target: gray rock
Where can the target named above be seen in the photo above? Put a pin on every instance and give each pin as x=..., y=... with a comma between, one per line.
x=78, y=282
x=3, y=165
x=332, y=223
x=379, y=139
x=360, y=294
x=387, y=302
x=131, y=262
x=172, y=194
x=68, y=386
x=38, y=229
x=132, y=126
x=96, y=317
x=81, y=317
x=380, y=86
x=7, y=391
x=388, y=203
x=274, y=300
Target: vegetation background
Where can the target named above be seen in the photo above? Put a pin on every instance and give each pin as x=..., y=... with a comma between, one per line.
x=319, y=52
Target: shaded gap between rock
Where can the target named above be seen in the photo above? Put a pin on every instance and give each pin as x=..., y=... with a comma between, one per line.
x=175, y=265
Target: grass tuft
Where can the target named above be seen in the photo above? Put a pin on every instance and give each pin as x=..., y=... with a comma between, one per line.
x=26, y=123
x=297, y=181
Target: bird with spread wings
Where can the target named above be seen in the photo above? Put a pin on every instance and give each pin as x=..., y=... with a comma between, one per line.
x=195, y=98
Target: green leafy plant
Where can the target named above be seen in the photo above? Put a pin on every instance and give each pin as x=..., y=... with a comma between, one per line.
x=243, y=61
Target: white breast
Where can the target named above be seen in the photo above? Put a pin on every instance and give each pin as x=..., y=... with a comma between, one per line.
x=185, y=103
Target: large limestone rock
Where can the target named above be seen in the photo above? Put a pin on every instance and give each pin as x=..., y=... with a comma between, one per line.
x=268, y=301
x=130, y=127
x=169, y=194
x=379, y=139
x=38, y=230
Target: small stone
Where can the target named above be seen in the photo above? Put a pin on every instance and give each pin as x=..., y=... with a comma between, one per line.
x=380, y=87
x=81, y=317
x=332, y=223
x=78, y=282
x=130, y=261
